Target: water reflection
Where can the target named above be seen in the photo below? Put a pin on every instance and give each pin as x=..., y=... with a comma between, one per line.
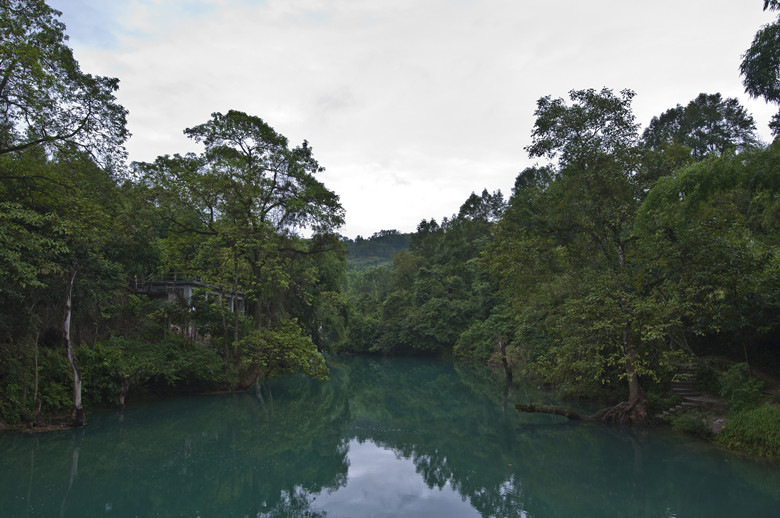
x=373, y=470
x=384, y=437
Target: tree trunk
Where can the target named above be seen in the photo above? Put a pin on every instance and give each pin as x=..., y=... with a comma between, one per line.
x=126, y=386
x=235, y=299
x=633, y=411
x=258, y=312
x=77, y=417
x=554, y=410
x=259, y=394
x=36, y=399
x=123, y=392
x=504, y=359
x=225, y=329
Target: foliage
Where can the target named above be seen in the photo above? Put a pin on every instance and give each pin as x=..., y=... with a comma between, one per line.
x=706, y=378
x=760, y=67
x=709, y=235
x=563, y=249
x=754, y=431
x=608, y=262
x=28, y=245
x=432, y=293
x=740, y=389
x=45, y=98
x=234, y=213
x=230, y=217
x=480, y=340
x=282, y=350
x=376, y=250
x=708, y=124
x=692, y=422
x=170, y=365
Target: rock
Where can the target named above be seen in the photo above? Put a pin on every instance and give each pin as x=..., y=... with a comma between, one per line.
x=716, y=425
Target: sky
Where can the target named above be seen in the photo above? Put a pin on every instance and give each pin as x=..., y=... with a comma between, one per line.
x=410, y=105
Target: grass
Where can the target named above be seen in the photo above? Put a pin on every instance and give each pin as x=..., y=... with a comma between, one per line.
x=755, y=431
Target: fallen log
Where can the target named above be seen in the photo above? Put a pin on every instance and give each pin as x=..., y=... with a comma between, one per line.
x=555, y=410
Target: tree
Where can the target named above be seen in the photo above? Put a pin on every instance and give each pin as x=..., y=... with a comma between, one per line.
x=236, y=211
x=486, y=207
x=709, y=238
x=563, y=249
x=708, y=124
x=249, y=193
x=283, y=350
x=760, y=67
x=45, y=98
x=56, y=124
x=434, y=292
x=59, y=240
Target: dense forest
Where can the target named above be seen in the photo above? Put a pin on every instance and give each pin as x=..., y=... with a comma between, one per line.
x=623, y=254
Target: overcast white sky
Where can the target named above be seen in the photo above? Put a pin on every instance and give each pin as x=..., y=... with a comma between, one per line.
x=410, y=105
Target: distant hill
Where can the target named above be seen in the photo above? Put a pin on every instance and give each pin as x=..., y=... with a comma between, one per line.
x=376, y=250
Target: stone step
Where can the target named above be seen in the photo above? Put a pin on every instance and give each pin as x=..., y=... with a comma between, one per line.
x=705, y=402
x=687, y=392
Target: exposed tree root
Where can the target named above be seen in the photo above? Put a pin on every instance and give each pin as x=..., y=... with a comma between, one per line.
x=632, y=412
x=626, y=413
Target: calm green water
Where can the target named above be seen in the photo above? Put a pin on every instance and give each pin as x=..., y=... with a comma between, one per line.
x=384, y=437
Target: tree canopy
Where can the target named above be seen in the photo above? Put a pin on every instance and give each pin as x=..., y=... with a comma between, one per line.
x=708, y=124
x=45, y=98
x=760, y=67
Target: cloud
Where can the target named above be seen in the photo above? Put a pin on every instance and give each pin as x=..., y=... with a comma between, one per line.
x=409, y=104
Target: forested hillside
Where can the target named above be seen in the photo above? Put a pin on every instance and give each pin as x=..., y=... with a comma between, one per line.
x=376, y=250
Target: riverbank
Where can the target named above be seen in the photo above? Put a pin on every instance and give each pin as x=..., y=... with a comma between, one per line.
x=730, y=405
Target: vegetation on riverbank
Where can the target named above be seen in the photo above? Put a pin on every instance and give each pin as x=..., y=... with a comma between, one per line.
x=620, y=256
x=746, y=419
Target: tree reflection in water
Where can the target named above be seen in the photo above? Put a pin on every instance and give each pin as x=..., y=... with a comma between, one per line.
x=383, y=437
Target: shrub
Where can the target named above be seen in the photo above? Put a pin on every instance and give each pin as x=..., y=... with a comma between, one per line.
x=707, y=378
x=739, y=389
x=755, y=431
x=693, y=423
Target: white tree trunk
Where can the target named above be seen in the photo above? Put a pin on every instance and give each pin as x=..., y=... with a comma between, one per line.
x=77, y=418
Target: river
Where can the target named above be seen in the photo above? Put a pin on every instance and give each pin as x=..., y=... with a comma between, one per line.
x=381, y=438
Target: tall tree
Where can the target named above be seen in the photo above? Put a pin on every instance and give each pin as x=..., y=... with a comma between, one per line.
x=710, y=247
x=56, y=124
x=45, y=98
x=250, y=192
x=61, y=215
x=570, y=260
x=708, y=124
x=760, y=68
x=238, y=208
